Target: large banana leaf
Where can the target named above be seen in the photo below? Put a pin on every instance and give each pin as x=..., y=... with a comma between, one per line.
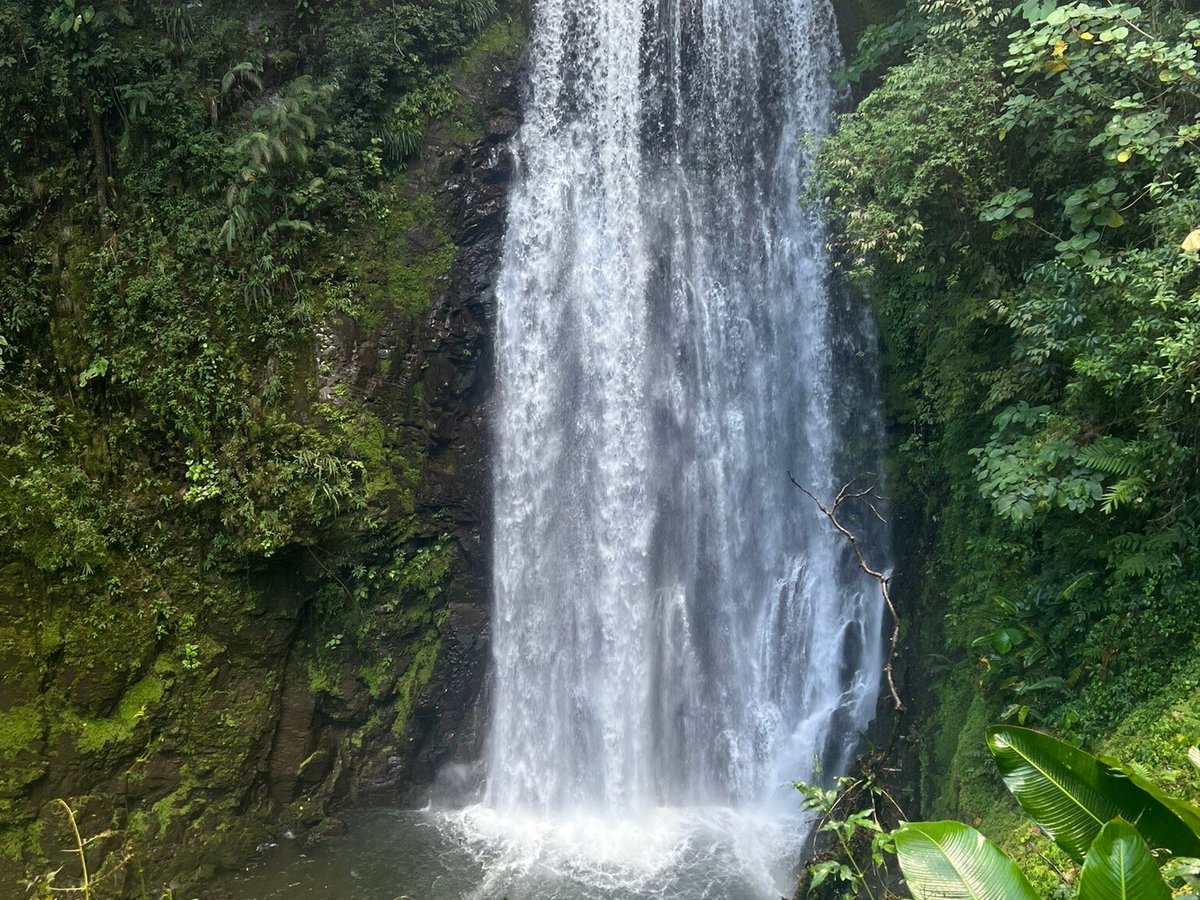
x=1119, y=867
x=953, y=861
x=1072, y=794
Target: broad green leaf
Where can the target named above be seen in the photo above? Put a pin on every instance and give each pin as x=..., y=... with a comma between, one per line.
x=953, y=861
x=1033, y=10
x=1072, y=794
x=1119, y=867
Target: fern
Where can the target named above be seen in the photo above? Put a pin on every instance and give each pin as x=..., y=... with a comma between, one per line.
x=400, y=140
x=247, y=74
x=1125, y=492
x=1113, y=456
x=476, y=13
x=1136, y=555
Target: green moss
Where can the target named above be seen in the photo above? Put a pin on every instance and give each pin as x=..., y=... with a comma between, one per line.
x=972, y=777
x=402, y=255
x=96, y=734
x=13, y=842
x=948, y=732
x=498, y=45
x=369, y=441
x=322, y=674
x=1157, y=734
x=413, y=281
x=414, y=679
x=423, y=254
x=20, y=728
x=504, y=39
x=375, y=676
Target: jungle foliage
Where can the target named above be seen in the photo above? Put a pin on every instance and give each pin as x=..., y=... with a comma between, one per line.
x=179, y=186
x=1019, y=196
x=175, y=180
x=190, y=194
x=1120, y=835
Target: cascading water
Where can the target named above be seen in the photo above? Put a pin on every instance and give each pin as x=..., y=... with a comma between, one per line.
x=677, y=634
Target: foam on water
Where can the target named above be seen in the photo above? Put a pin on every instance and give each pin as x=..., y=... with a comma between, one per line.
x=694, y=852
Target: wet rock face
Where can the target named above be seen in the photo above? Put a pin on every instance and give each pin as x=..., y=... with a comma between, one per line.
x=447, y=365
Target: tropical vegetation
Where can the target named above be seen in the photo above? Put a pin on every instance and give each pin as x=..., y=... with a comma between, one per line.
x=1121, y=835
x=201, y=203
x=1017, y=193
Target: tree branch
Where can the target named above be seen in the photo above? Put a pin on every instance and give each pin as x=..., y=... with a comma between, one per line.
x=830, y=511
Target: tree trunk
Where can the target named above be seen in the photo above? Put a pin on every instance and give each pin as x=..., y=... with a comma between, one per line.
x=100, y=151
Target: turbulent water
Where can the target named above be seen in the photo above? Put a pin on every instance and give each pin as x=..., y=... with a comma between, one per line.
x=677, y=634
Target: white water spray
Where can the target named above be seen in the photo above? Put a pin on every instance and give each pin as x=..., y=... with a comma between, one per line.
x=677, y=634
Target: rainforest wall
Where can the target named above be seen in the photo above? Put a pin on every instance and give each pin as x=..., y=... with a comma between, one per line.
x=247, y=253
x=1017, y=195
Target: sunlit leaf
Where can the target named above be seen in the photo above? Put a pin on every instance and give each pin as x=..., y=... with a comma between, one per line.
x=1072, y=794
x=1119, y=867
x=952, y=861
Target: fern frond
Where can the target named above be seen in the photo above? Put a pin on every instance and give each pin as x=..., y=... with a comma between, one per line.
x=1113, y=456
x=1125, y=492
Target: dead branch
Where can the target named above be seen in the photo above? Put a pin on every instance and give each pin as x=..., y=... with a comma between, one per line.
x=830, y=511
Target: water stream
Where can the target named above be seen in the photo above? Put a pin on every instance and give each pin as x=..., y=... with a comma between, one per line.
x=677, y=633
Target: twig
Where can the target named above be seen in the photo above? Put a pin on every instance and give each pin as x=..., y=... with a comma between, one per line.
x=831, y=513
x=79, y=846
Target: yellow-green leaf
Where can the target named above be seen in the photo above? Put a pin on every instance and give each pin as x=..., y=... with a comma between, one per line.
x=953, y=861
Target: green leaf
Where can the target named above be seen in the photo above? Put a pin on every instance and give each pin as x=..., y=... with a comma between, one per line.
x=97, y=369
x=1119, y=867
x=1072, y=794
x=950, y=860
x=1034, y=10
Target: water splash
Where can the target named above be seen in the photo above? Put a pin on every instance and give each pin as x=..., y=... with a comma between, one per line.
x=675, y=628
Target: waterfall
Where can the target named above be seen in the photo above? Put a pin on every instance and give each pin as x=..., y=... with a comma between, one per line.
x=675, y=627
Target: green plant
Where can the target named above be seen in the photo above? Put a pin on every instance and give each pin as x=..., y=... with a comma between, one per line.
x=185, y=192
x=1102, y=814
x=1018, y=195
x=946, y=860
x=1105, y=816
x=860, y=840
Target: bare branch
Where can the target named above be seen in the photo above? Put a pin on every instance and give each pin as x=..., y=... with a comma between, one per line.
x=830, y=511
